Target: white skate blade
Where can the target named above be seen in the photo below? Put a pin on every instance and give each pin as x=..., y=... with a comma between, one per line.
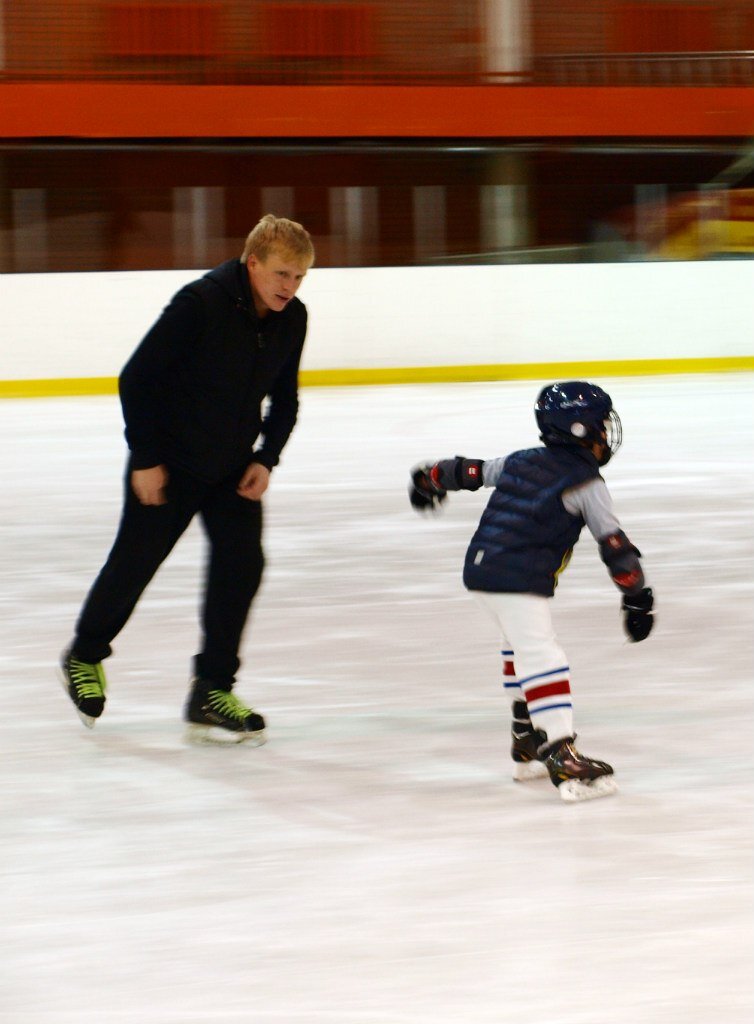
x=573, y=791
x=213, y=736
x=525, y=771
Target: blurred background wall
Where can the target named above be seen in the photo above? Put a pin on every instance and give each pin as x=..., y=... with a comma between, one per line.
x=597, y=41
x=152, y=135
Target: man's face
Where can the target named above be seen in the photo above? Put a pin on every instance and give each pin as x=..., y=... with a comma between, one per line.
x=274, y=281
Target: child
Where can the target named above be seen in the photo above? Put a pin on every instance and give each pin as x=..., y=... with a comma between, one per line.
x=541, y=501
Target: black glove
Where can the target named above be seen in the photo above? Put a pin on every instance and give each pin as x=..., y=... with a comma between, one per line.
x=423, y=493
x=637, y=611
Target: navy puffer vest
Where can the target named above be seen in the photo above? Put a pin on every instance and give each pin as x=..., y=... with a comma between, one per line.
x=525, y=536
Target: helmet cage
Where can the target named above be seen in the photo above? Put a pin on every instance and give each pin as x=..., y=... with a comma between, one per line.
x=613, y=436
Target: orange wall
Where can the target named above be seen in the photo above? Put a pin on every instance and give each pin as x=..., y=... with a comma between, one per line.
x=100, y=110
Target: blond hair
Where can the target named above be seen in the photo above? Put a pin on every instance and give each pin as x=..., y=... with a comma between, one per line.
x=292, y=241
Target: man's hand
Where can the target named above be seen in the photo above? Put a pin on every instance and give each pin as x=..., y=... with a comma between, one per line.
x=254, y=482
x=149, y=485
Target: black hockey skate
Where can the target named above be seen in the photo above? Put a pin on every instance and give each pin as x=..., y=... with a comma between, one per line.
x=217, y=716
x=85, y=684
x=526, y=742
x=576, y=776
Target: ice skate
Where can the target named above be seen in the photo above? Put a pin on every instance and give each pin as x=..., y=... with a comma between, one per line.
x=525, y=744
x=217, y=717
x=85, y=684
x=576, y=776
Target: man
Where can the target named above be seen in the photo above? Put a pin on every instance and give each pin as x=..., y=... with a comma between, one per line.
x=200, y=443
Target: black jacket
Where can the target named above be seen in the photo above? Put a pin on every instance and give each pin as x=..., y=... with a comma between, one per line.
x=525, y=536
x=193, y=390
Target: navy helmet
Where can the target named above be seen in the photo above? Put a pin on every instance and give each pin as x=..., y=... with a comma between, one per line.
x=578, y=413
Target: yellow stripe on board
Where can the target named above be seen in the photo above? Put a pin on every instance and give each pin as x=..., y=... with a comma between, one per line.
x=63, y=387
x=72, y=386
x=525, y=371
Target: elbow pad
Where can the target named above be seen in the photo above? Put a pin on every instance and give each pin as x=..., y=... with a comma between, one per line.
x=622, y=560
x=459, y=474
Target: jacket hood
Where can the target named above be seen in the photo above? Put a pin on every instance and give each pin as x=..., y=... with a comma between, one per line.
x=231, y=276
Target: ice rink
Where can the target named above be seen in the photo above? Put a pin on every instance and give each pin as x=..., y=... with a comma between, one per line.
x=374, y=863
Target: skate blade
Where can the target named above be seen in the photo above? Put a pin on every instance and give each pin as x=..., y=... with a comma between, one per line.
x=575, y=791
x=525, y=771
x=212, y=736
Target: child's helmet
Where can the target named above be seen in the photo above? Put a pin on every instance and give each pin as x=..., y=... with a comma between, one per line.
x=578, y=413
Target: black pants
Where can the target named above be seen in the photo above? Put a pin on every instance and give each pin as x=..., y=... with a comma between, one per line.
x=147, y=535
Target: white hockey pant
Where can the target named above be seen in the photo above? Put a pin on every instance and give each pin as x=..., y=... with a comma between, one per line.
x=535, y=667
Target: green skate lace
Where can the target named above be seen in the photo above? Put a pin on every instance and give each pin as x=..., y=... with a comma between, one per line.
x=229, y=705
x=88, y=680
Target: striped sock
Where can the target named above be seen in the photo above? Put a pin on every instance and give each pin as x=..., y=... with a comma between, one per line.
x=510, y=679
x=548, y=698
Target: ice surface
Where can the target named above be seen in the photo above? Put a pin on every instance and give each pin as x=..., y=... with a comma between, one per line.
x=374, y=863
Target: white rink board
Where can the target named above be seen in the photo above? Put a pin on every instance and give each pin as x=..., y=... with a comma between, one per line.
x=86, y=325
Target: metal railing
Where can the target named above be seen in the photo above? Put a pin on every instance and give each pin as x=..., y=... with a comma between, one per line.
x=734, y=68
